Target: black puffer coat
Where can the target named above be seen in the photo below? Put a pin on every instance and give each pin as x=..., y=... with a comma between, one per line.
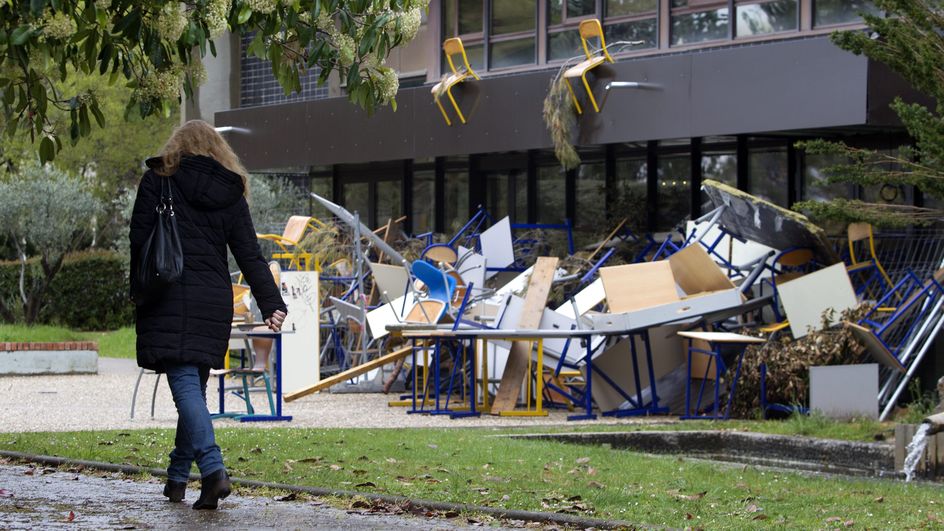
x=189, y=321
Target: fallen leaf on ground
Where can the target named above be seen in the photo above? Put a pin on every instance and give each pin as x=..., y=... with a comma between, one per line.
x=583, y=460
x=4, y=493
x=676, y=493
x=596, y=485
x=71, y=516
x=256, y=450
x=433, y=446
x=360, y=504
x=689, y=516
x=391, y=460
x=291, y=496
x=366, y=484
x=336, y=467
x=760, y=517
x=880, y=499
x=753, y=508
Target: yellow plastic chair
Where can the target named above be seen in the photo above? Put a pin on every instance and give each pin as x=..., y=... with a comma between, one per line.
x=855, y=233
x=292, y=234
x=588, y=29
x=453, y=47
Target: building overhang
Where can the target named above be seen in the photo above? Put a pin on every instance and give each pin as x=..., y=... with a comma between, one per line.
x=801, y=84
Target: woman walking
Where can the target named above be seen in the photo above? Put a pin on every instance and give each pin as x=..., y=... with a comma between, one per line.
x=183, y=328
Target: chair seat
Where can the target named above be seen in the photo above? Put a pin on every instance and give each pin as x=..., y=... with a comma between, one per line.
x=237, y=370
x=583, y=67
x=449, y=81
x=859, y=266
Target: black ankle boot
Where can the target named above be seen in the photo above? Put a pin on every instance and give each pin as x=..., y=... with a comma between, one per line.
x=213, y=488
x=175, y=490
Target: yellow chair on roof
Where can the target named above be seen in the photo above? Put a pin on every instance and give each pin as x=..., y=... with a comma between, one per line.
x=453, y=47
x=588, y=29
x=292, y=234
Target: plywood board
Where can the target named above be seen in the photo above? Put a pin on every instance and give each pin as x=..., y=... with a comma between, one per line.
x=695, y=271
x=301, y=349
x=585, y=299
x=635, y=286
x=805, y=299
x=874, y=346
x=497, y=244
x=845, y=391
x=535, y=300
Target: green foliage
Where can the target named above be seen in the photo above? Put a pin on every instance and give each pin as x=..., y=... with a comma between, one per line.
x=910, y=40
x=47, y=213
x=90, y=291
x=154, y=48
x=560, y=117
x=118, y=343
x=920, y=406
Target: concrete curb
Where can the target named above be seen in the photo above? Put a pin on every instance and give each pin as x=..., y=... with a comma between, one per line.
x=508, y=514
x=801, y=453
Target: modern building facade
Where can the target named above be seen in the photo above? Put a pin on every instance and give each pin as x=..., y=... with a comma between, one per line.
x=733, y=85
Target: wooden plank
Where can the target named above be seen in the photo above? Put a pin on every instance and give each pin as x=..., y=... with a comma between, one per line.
x=874, y=346
x=539, y=285
x=350, y=373
x=636, y=286
x=696, y=272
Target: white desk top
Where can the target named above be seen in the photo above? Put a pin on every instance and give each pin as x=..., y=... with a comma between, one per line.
x=721, y=337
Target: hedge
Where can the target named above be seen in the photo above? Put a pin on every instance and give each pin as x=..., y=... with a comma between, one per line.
x=90, y=292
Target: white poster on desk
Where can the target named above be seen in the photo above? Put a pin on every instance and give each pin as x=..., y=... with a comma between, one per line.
x=300, y=348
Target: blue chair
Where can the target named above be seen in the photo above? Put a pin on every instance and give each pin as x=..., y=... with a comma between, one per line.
x=440, y=288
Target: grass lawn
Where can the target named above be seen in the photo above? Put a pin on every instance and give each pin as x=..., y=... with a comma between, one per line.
x=112, y=344
x=471, y=466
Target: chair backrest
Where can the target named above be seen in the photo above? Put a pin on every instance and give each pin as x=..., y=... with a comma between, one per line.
x=276, y=271
x=591, y=29
x=452, y=47
x=439, y=285
x=795, y=257
x=857, y=232
x=295, y=228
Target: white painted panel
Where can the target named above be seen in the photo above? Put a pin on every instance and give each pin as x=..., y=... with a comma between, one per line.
x=807, y=298
x=472, y=268
x=586, y=299
x=389, y=314
x=390, y=279
x=497, y=244
x=300, y=349
x=845, y=391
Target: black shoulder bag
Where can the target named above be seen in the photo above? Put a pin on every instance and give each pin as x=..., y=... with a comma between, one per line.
x=162, y=257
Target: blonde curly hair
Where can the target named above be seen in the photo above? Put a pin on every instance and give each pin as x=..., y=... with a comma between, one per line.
x=197, y=137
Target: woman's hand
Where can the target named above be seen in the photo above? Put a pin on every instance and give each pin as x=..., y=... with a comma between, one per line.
x=275, y=322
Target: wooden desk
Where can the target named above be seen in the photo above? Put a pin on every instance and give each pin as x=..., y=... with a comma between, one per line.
x=250, y=330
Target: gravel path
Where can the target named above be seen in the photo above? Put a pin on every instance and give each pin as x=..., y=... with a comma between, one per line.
x=103, y=401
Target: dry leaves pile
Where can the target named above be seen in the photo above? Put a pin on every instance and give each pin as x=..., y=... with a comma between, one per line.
x=788, y=362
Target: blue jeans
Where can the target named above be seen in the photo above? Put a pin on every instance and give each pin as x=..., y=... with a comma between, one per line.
x=194, y=440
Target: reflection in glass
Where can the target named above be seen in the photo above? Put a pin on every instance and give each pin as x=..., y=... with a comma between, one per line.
x=496, y=194
x=888, y=194
x=635, y=30
x=520, y=214
x=510, y=16
x=470, y=16
x=563, y=45
x=816, y=183
x=767, y=174
x=555, y=12
x=581, y=8
x=476, y=55
x=719, y=167
x=702, y=26
x=674, y=196
x=456, y=207
x=357, y=199
x=424, y=201
x=769, y=17
x=389, y=205
x=616, y=8
x=591, y=198
x=628, y=198
x=826, y=12
x=322, y=187
x=512, y=53
x=449, y=18
x=550, y=194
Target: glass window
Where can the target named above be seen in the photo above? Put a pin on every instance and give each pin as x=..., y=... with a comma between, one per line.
x=581, y=8
x=321, y=186
x=424, y=200
x=629, y=196
x=719, y=166
x=827, y=12
x=563, y=45
x=591, y=198
x=632, y=30
x=357, y=199
x=690, y=27
x=767, y=174
x=456, y=209
x=476, y=55
x=551, y=194
x=512, y=53
x=470, y=16
x=512, y=16
x=496, y=194
x=768, y=17
x=555, y=12
x=389, y=205
x=815, y=182
x=674, y=196
x=618, y=8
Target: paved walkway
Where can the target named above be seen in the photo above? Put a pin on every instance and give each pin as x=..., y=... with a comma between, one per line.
x=103, y=401
x=47, y=499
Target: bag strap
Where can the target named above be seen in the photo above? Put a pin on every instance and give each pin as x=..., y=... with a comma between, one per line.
x=166, y=204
